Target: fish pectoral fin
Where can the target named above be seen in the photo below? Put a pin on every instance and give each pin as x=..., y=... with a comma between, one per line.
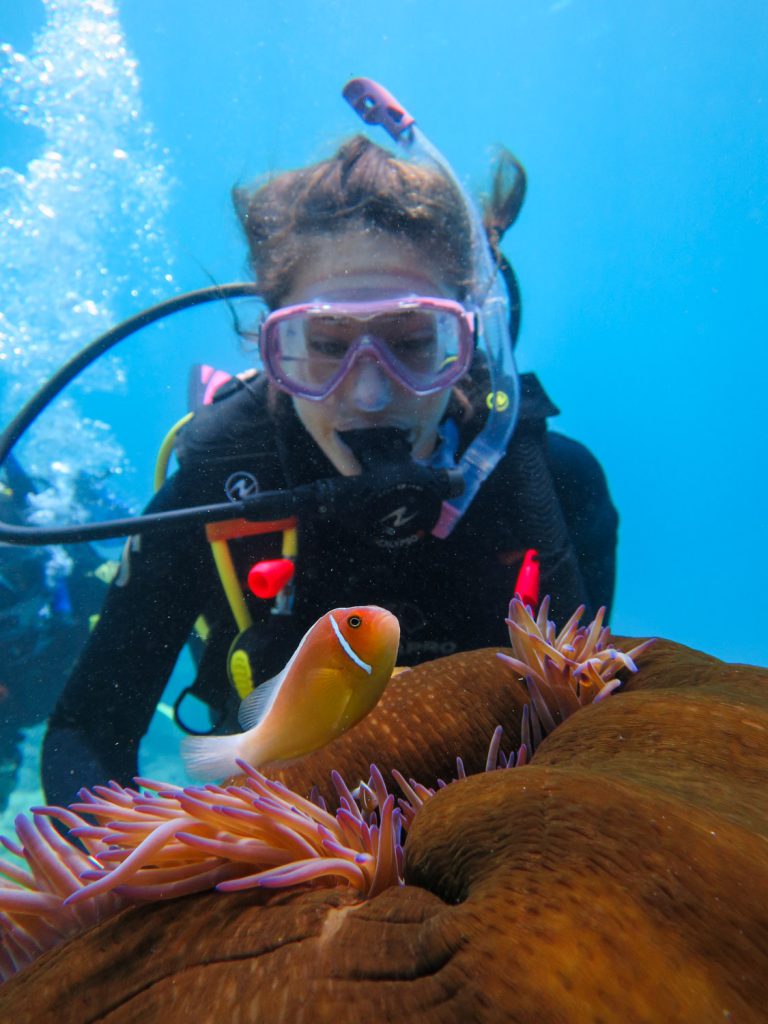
x=254, y=708
x=348, y=713
x=333, y=695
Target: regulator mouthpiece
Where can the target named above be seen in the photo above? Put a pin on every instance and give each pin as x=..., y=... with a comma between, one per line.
x=398, y=501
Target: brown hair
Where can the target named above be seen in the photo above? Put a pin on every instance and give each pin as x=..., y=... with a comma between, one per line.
x=502, y=206
x=361, y=186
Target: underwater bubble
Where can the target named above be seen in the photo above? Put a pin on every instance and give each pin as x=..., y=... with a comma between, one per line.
x=67, y=217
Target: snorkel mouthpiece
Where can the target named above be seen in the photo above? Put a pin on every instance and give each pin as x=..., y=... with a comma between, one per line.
x=487, y=298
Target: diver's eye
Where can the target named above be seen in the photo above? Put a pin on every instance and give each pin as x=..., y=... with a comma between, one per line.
x=354, y=621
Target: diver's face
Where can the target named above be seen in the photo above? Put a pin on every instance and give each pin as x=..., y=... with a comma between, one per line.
x=366, y=266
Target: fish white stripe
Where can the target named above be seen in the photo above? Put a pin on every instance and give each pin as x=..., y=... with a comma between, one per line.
x=347, y=649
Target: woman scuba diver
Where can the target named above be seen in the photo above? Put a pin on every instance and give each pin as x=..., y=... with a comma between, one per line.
x=387, y=353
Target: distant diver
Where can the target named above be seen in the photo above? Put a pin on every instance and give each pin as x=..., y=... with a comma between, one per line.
x=44, y=622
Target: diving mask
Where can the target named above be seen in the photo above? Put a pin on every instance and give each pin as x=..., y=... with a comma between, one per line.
x=424, y=344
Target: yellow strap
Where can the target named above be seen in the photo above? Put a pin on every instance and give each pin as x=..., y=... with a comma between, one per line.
x=219, y=548
x=232, y=588
x=290, y=543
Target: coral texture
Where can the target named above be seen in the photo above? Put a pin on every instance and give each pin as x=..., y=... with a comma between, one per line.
x=621, y=875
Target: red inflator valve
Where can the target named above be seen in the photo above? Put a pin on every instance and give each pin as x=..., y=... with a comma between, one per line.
x=267, y=579
x=527, y=586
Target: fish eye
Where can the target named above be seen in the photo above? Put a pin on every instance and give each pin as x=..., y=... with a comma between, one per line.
x=354, y=621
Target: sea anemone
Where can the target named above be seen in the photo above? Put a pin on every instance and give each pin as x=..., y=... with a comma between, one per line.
x=567, y=670
x=175, y=841
x=34, y=915
x=160, y=841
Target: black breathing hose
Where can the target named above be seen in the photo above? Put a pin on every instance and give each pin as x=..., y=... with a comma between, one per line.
x=16, y=429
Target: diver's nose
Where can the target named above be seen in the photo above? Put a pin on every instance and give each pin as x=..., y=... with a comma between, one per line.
x=369, y=389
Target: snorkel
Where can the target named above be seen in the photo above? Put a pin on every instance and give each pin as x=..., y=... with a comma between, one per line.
x=486, y=297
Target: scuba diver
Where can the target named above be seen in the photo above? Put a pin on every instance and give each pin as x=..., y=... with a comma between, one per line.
x=387, y=351
x=47, y=597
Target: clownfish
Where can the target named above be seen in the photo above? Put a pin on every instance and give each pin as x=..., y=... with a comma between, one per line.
x=333, y=679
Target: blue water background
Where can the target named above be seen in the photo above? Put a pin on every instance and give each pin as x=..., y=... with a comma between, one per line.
x=642, y=249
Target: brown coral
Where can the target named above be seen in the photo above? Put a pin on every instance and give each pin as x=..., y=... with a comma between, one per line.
x=622, y=875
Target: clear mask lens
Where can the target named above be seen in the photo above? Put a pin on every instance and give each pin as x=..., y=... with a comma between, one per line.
x=425, y=345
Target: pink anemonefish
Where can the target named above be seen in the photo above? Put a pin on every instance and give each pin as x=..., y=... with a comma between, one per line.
x=334, y=678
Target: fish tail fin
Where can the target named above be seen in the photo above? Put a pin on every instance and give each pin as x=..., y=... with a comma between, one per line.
x=208, y=758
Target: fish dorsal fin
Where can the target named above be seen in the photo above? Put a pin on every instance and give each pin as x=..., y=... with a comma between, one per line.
x=256, y=705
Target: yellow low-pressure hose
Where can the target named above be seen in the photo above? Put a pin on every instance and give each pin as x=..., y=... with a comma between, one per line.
x=164, y=454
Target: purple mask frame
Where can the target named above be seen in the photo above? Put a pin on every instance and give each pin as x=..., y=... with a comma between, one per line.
x=367, y=344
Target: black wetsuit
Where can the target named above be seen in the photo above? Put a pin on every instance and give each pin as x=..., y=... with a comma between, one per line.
x=548, y=492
